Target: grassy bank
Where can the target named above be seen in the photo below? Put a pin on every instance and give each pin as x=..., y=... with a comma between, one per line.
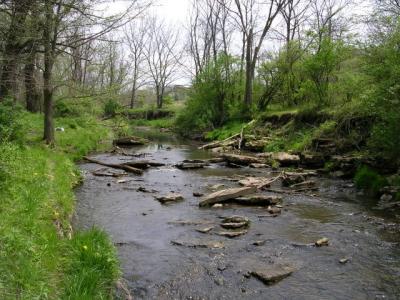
x=41, y=256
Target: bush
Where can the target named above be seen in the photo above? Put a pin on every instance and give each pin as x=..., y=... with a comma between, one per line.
x=111, y=108
x=10, y=126
x=64, y=109
x=369, y=180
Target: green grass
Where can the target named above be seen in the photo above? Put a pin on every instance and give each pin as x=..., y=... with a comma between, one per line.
x=225, y=131
x=39, y=260
x=159, y=123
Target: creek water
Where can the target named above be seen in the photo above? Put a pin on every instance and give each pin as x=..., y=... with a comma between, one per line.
x=154, y=268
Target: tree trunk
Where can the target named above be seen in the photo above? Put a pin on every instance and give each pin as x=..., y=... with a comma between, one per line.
x=248, y=94
x=32, y=96
x=133, y=94
x=12, y=48
x=49, y=48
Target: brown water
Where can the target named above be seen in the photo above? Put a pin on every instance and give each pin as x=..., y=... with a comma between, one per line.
x=155, y=269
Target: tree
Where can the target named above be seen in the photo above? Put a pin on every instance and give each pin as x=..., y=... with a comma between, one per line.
x=61, y=17
x=135, y=36
x=247, y=17
x=15, y=44
x=162, y=56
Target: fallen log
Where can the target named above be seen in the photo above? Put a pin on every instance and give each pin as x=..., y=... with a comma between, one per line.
x=224, y=195
x=116, y=166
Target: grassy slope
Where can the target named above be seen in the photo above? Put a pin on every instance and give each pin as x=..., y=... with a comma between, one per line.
x=39, y=259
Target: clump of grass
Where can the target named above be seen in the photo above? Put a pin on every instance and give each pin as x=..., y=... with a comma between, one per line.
x=369, y=180
x=225, y=131
x=93, y=266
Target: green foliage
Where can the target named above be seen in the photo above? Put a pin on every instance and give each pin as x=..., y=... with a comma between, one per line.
x=75, y=108
x=369, y=180
x=10, y=127
x=383, y=65
x=319, y=68
x=215, y=97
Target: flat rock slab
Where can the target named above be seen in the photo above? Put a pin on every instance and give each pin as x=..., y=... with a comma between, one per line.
x=173, y=197
x=258, y=200
x=197, y=243
x=241, y=159
x=232, y=234
x=205, y=229
x=224, y=195
x=235, y=222
x=272, y=274
x=190, y=165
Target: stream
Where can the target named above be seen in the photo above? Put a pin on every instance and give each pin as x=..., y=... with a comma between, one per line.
x=155, y=268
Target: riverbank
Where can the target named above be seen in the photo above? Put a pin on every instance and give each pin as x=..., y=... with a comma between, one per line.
x=41, y=255
x=334, y=143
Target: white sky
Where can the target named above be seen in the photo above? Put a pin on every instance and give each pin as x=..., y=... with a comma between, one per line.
x=173, y=11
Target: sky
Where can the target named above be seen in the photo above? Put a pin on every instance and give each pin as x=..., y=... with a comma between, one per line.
x=174, y=11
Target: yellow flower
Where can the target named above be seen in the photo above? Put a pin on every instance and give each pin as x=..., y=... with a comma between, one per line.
x=85, y=247
x=56, y=214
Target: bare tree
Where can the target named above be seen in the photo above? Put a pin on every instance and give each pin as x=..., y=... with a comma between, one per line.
x=162, y=56
x=209, y=31
x=61, y=17
x=248, y=18
x=135, y=35
x=328, y=20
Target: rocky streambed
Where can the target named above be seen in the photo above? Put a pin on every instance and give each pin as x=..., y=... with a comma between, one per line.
x=317, y=241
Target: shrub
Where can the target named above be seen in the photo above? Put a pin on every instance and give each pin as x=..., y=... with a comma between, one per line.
x=215, y=97
x=64, y=109
x=111, y=108
x=10, y=126
x=369, y=180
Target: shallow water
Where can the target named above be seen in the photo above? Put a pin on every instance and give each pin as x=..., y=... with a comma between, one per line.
x=143, y=229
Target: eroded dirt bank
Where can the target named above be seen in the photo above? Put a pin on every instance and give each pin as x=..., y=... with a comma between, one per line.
x=165, y=255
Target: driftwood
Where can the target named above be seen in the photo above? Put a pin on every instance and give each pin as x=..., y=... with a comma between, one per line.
x=124, y=167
